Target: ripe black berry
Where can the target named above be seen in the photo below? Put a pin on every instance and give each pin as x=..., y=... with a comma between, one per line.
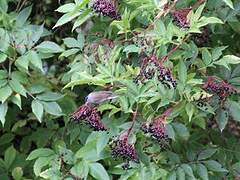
x=106, y=8
x=180, y=17
x=90, y=116
x=122, y=149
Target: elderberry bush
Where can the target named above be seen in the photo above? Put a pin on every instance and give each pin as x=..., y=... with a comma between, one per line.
x=119, y=89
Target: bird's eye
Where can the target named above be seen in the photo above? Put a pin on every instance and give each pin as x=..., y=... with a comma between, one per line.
x=86, y=98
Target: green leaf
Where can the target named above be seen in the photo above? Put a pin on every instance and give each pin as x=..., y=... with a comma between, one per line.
x=202, y=171
x=132, y=48
x=180, y=174
x=182, y=72
x=229, y=3
x=69, y=52
x=52, y=108
x=234, y=109
x=66, y=8
x=9, y=156
x=80, y=170
x=35, y=60
x=17, y=173
x=206, y=154
x=172, y=176
x=187, y=169
x=72, y=43
x=228, y=59
x=170, y=131
x=3, y=112
x=17, y=87
x=5, y=92
x=49, y=96
x=85, y=150
x=206, y=56
x=3, y=74
x=98, y=171
x=67, y=18
x=3, y=57
x=37, y=109
x=49, y=47
x=190, y=108
x=84, y=16
x=222, y=118
x=41, y=152
x=102, y=141
x=181, y=131
x=40, y=163
x=214, y=166
x=16, y=99
x=22, y=63
x=22, y=17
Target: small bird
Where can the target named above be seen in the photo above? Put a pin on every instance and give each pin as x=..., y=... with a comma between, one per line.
x=99, y=97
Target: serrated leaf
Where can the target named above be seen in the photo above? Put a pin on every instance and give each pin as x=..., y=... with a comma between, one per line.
x=17, y=173
x=206, y=154
x=229, y=3
x=37, y=109
x=16, y=99
x=52, y=108
x=49, y=96
x=180, y=174
x=35, y=60
x=234, y=109
x=190, y=108
x=84, y=16
x=17, y=87
x=172, y=176
x=182, y=72
x=66, y=8
x=187, y=169
x=98, y=171
x=40, y=163
x=66, y=18
x=5, y=92
x=41, y=152
x=81, y=169
x=22, y=17
x=3, y=112
x=214, y=166
x=228, y=59
x=202, y=171
x=49, y=47
x=9, y=156
x=221, y=118
x=3, y=57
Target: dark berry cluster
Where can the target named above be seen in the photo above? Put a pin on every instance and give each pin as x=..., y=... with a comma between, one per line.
x=180, y=17
x=122, y=149
x=151, y=67
x=90, y=116
x=156, y=129
x=106, y=8
x=219, y=87
x=201, y=39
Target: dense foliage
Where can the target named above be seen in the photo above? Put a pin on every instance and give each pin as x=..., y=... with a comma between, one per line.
x=168, y=70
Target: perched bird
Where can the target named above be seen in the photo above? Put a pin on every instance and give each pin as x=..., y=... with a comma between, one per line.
x=99, y=97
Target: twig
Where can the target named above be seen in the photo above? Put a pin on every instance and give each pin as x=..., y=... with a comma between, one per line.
x=133, y=120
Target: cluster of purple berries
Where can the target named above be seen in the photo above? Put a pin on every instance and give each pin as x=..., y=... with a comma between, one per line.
x=180, y=17
x=106, y=8
x=122, y=149
x=90, y=116
x=151, y=67
x=219, y=87
x=156, y=129
x=201, y=39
